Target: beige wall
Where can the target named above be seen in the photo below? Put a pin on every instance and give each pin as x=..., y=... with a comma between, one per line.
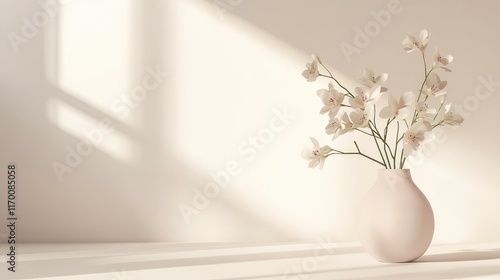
x=233, y=68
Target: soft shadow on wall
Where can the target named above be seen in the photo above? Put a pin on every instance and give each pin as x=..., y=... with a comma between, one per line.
x=124, y=185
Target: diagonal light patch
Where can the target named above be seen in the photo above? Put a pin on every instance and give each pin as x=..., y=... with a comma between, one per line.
x=230, y=76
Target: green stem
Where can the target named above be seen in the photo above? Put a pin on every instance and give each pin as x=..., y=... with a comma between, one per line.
x=439, y=110
x=364, y=132
x=396, y=148
x=361, y=154
x=384, y=140
x=337, y=152
x=376, y=142
x=437, y=124
x=425, y=63
x=421, y=87
x=331, y=77
x=368, y=157
x=400, y=138
x=407, y=126
x=385, y=144
x=402, y=159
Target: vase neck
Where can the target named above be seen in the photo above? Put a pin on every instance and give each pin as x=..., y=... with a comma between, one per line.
x=394, y=175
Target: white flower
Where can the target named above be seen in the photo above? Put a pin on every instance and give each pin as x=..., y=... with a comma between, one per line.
x=359, y=100
x=364, y=96
x=316, y=57
x=415, y=135
x=451, y=117
x=434, y=86
x=411, y=43
x=398, y=106
x=347, y=124
x=369, y=79
x=441, y=61
x=360, y=117
x=331, y=98
x=312, y=71
x=375, y=93
x=442, y=98
x=316, y=155
x=334, y=127
x=424, y=112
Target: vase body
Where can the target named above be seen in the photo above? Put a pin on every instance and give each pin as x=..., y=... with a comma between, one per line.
x=395, y=222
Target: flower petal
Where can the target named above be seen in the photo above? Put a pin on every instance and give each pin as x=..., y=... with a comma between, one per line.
x=382, y=78
x=324, y=110
x=403, y=113
x=316, y=57
x=393, y=101
x=368, y=74
x=325, y=149
x=374, y=94
x=307, y=153
x=321, y=163
x=387, y=113
x=407, y=99
x=408, y=149
x=315, y=142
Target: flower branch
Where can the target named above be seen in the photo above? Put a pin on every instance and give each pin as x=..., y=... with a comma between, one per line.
x=348, y=112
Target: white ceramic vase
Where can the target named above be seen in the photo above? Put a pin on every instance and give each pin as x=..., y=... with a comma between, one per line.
x=395, y=222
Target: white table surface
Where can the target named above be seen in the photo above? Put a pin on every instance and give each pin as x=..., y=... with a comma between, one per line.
x=224, y=261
